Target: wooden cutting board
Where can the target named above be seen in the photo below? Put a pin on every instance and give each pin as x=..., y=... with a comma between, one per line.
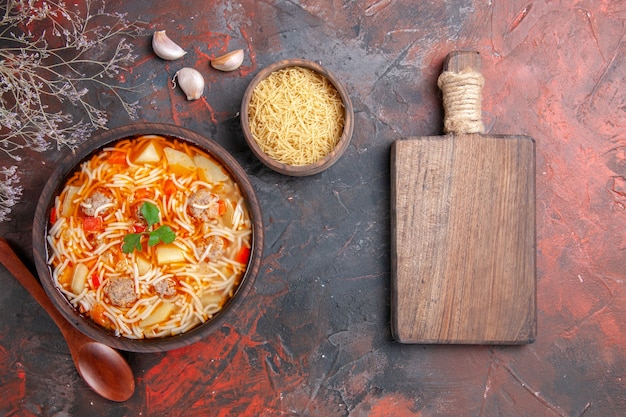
x=463, y=227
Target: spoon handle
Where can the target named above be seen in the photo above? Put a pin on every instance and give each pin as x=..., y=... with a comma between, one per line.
x=17, y=268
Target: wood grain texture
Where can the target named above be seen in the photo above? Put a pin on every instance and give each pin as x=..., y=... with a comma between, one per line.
x=463, y=239
x=457, y=61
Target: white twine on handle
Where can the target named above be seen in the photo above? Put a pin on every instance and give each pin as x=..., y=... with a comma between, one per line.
x=462, y=101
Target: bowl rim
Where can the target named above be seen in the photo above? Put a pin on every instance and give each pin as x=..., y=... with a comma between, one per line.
x=70, y=162
x=328, y=160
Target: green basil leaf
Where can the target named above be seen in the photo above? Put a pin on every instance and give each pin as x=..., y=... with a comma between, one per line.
x=153, y=239
x=150, y=212
x=163, y=234
x=132, y=241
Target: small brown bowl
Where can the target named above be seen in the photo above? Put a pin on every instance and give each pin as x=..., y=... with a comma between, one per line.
x=329, y=159
x=68, y=164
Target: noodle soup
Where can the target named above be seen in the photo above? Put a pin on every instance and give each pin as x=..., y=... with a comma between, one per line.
x=149, y=237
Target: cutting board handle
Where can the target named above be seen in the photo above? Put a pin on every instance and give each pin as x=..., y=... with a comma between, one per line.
x=461, y=84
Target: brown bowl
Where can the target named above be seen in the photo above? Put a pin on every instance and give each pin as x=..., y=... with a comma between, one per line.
x=328, y=160
x=68, y=164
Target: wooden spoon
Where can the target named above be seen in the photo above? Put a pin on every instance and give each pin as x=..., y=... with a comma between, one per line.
x=102, y=367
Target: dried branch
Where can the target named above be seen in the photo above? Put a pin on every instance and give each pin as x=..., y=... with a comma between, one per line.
x=10, y=192
x=52, y=56
x=51, y=59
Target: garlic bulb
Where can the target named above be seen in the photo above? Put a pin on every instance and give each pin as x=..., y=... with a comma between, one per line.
x=190, y=81
x=165, y=48
x=228, y=62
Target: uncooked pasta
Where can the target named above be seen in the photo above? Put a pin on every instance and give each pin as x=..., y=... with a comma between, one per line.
x=296, y=116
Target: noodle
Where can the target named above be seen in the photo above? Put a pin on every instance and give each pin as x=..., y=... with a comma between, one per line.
x=100, y=205
x=296, y=116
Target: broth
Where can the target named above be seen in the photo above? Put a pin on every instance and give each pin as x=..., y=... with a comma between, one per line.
x=149, y=237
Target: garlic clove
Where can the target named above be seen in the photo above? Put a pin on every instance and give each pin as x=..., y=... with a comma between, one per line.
x=166, y=48
x=190, y=81
x=228, y=62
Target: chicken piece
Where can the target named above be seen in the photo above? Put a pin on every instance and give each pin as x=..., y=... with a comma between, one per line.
x=121, y=292
x=165, y=288
x=212, y=248
x=204, y=205
x=141, y=223
x=92, y=204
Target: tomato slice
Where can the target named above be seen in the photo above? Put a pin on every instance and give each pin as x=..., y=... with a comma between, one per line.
x=243, y=255
x=169, y=188
x=221, y=207
x=118, y=158
x=95, y=280
x=141, y=194
x=97, y=314
x=92, y=224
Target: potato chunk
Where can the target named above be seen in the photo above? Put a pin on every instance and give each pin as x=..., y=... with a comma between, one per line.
x=180, y=163
x=169, y=254
x=209, y=298
x=209, y=170
x=143, y=265
x=158, y=315
x=79, y=278
x=67, y=207
x=150, y=154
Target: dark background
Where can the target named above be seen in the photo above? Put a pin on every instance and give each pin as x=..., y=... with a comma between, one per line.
x=313, y=339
